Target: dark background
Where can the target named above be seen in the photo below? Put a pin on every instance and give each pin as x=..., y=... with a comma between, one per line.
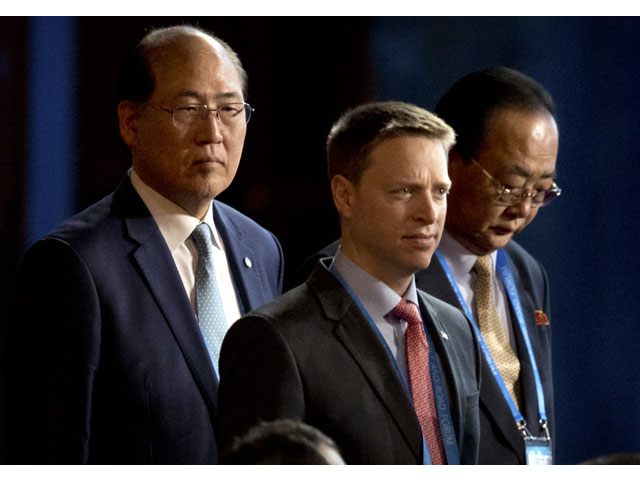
x=60, y=151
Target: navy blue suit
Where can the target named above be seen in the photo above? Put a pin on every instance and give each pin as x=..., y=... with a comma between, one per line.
x=105, y=362
x=500, y=441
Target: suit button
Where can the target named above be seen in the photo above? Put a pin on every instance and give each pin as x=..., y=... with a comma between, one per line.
x=247, y=262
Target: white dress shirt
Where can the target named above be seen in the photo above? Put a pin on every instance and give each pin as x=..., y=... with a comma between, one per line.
x=461, y=262
x=176, y=226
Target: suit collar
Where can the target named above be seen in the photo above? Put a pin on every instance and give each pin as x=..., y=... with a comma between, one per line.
x=358, y=337
x=240, y=256
x=376, y=297
x=242, y=260
x=156, y=266
x=434, y=281
x=175, y=223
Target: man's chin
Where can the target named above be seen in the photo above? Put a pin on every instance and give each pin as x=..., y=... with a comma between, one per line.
x=496, y=242
x=421, y=264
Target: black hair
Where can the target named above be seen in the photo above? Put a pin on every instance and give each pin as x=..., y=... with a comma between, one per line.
x=472, y=101
x=279, y=442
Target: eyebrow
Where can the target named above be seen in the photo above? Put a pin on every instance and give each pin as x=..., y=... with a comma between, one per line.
x=201, y=98
x=412, y=184
x=521, y=172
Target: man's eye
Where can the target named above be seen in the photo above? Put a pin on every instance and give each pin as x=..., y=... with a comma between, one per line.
x=230, y=109
x=401, y=192
x=516, y=191
x=189, y=109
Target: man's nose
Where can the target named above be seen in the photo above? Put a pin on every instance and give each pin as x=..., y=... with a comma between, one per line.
x=522, y=209
x=426, y=208
x=209, y=128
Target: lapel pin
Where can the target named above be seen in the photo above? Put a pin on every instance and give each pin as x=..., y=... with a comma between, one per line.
x=444, y=335
x=247, y=262
x=541, y=318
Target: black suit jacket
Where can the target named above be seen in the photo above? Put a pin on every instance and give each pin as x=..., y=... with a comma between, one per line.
x=105, y=362
x=312, y=355
x=501, y=442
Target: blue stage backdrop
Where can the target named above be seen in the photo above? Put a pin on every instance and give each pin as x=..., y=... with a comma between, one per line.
x=586, y=239
x=51, y=123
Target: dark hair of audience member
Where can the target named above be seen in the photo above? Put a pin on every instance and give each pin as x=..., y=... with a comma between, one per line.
x=283, y=442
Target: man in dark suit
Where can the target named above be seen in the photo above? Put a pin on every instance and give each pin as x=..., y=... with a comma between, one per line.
x=337, y=352
x=502, y=169
x=108, y=360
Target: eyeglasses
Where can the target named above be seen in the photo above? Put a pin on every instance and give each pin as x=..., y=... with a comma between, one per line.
x=508, y=196
x=186, y=115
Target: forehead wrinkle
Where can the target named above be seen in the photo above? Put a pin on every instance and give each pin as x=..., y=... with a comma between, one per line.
x=229, y=96
x=192, y=93
x=521, y=172
x=202, y=98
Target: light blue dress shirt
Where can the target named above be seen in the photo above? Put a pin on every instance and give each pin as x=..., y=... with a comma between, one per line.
x=378, y=300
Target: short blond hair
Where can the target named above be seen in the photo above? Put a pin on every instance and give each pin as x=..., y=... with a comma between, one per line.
x=360, y=129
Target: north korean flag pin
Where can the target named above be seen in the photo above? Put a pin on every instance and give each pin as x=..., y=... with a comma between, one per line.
x=541, y=318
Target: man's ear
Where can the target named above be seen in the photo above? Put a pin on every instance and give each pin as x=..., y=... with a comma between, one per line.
x=456, y=162
x=128, y=112
x=343, y=195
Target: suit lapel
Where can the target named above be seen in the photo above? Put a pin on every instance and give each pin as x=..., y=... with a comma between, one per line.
x=242, y=262
x=527, y=379
x=436, y=329
x=494, y=404
x=354, y=332
x=433, y=280
x=161, y=275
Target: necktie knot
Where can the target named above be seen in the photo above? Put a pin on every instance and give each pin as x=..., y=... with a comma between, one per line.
x=407, y=311
x=483, y=289
x=483, y=266
x=201, y=237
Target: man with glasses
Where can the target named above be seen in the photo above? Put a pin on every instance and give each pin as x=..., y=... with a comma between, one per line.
x=502, y=170
x=120, y=312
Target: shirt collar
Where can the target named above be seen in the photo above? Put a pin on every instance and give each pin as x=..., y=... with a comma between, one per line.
x=460, y=260
x=377, y=298
x=174, y=222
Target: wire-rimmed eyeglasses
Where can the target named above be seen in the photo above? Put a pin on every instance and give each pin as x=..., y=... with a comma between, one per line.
x=228, y=113
x=509, y=196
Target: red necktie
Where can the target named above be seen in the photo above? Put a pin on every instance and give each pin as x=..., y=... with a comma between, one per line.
x=417, y=355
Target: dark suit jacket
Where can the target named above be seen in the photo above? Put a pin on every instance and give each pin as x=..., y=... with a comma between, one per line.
x=105, y=362
x=312, y=355
x=501, y=442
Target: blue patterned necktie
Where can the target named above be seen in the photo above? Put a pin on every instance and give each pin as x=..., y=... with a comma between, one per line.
x=210, y=311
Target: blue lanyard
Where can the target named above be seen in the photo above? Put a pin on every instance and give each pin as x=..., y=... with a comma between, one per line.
x=506, y=274
x=510, y=284
x=437, y=382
